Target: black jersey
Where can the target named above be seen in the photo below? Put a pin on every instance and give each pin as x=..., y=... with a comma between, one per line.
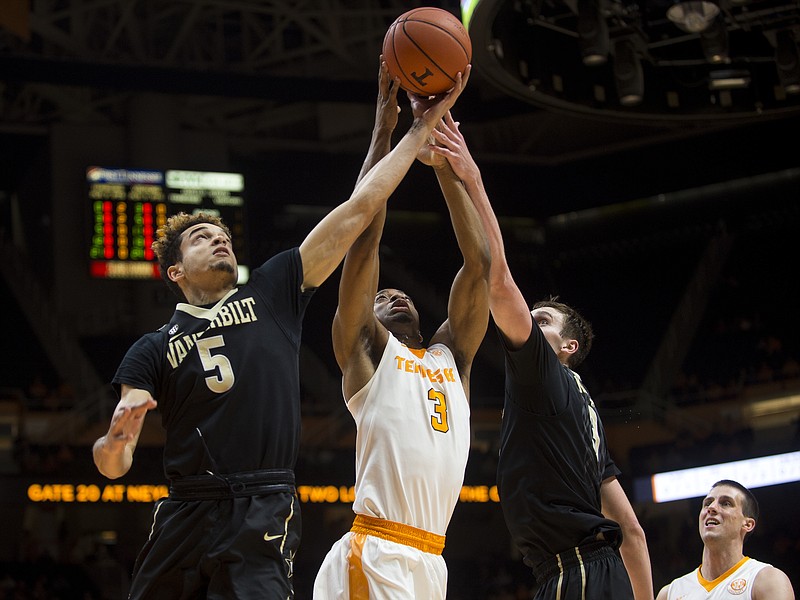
x=226, y=376
x=553, y=455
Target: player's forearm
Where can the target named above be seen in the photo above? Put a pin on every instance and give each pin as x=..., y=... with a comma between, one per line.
x=386, y=174
x=637, y=562
x=380, y=145
x=325, y=247
x=467, y=225
x=500, y=279
x=510, y=311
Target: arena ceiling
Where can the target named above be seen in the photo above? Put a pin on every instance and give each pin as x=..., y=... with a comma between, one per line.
x=299, y=77
x=294, y=82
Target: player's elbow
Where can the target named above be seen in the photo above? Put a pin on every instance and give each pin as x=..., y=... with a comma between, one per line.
x=110, y=465
x=633, y=533
x=501, y=283
x=107, y=470
x=486, y=260
x=109, y=474
x=480, y=261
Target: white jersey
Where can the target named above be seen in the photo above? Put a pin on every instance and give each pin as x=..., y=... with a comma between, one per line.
x=735, y=584
x=413, y=437
x=412, y=444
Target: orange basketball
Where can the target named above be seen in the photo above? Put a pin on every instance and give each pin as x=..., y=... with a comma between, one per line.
x=426, y=48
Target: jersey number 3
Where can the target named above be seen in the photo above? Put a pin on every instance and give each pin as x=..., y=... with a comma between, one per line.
x=223, y=377
x=439, y=416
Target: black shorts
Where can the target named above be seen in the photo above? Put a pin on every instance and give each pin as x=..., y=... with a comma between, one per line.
x=591, y=572
x=240, y=545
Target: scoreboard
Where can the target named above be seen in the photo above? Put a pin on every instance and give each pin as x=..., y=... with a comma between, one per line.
x=127, y=206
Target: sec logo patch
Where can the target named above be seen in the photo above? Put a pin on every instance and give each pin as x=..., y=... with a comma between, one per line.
x=737, y=586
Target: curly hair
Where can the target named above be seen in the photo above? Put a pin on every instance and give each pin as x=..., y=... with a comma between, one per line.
x=167, y=245
x=576, y=327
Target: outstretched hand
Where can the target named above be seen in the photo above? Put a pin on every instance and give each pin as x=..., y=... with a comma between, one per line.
x=427, y=156
x=388, y=109
x=433, y=108
x=126, y=423
x=451, y=146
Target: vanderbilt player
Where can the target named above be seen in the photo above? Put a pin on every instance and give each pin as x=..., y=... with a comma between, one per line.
x=224, y=374
x=559, y=493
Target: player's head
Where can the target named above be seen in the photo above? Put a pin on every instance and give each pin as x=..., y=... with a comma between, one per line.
x=169, y=238
x=396, y=311
x=729, y=505
x=572, y=327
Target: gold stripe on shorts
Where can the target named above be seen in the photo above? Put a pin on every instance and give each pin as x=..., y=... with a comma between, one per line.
x=399, y=533
x=580, y=563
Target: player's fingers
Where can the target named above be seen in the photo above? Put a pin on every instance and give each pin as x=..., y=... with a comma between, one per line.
x=394, y=86
x=445, y=137
x=465, y=77
x=454, y=93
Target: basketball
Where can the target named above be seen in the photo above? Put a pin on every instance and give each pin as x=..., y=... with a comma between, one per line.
x=426, y=48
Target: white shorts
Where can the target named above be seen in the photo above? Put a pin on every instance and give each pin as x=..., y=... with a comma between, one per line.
x=360, y=567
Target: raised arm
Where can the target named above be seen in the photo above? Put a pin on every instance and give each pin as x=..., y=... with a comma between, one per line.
x=354, y=322
x=386, y=116
x=617, y=507
x=509, y=309
x=113, y=452
x=468, y=306
x=325, y=247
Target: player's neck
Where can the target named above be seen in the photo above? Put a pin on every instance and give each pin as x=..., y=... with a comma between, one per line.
x=211, y=292
x=410, y=340
x=719, y=560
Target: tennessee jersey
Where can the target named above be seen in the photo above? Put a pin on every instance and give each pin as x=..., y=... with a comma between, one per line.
x=735, y=584
x=412, y=443
x=413, y=436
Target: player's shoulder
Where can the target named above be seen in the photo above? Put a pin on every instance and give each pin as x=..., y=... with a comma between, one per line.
x=153, y=337
x=287, y=258
x=442, y=348
x=663, y=594
x=151, y=343
x=682, y=584
x=771, y=583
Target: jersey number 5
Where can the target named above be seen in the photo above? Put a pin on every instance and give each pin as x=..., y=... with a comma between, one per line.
x=223, y=378
x=439, y=416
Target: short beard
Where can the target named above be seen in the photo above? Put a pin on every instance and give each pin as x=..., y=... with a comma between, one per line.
x=227, y=268
x=223, y=266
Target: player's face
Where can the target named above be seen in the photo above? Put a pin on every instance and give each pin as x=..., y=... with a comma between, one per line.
x=206, y=248
x=721, y=516
x=393, y=307
x=551, y=322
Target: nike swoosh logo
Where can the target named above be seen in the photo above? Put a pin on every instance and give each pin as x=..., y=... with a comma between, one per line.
x=269, y=538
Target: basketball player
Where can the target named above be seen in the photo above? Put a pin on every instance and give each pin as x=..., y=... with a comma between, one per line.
x=224, y=372
x=728, y=515
x=410, y=403
x=559, y=493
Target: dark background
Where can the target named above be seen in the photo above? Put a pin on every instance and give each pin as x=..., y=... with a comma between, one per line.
x=677, y=240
